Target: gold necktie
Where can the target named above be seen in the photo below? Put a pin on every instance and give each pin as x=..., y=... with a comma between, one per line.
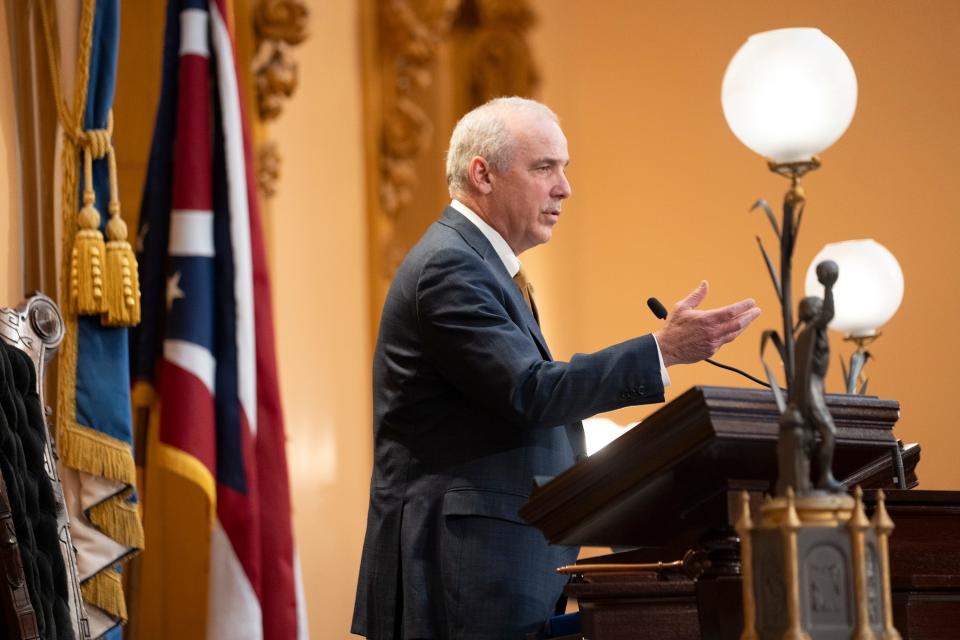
x=527, y=290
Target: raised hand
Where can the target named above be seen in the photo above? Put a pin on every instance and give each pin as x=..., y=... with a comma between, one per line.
x=690, y=335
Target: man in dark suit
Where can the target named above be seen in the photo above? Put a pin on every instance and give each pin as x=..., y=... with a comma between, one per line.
x=469, y=405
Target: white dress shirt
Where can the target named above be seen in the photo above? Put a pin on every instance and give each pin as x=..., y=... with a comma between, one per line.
x=512, y=263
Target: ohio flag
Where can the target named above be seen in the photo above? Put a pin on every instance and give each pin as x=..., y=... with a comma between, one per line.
x=220, y=559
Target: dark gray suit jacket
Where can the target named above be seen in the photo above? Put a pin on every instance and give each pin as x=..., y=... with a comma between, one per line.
x=469, y=406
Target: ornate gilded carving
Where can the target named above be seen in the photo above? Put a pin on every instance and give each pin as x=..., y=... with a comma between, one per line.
x=501, y=62
x=267, y=164
x=276, y=81
x=411, y=33
x=432, y=61
x=279, y=25
x=284, y=20
x=406, y=130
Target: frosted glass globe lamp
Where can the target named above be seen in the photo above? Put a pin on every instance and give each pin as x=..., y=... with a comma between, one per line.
x=789, y=94
x=867, y=294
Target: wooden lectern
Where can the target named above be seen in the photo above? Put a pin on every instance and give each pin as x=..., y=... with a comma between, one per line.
x=672, y=485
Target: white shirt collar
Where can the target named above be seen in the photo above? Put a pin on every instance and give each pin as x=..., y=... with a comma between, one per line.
x=507, y=256
x=512, y=263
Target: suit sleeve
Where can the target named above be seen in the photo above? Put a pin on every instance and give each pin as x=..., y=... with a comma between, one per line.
x=469, y=336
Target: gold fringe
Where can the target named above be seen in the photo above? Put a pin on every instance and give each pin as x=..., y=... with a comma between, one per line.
x=92, y=452
x=83, y=258
x=105, y=590
x=119, y=519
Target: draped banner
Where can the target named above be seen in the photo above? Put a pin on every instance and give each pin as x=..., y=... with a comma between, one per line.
x=220, y=560
x=94, y=422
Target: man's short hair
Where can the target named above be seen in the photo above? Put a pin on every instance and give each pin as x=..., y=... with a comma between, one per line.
x=484, y=132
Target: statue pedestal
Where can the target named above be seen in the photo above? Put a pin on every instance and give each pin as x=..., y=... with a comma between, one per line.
x=673, y=484
x=818, y=568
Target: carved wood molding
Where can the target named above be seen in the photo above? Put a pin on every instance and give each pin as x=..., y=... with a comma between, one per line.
x=411, y=32
x=501, y=62
x=267, y=163
x=278, y=25
x=426, y=63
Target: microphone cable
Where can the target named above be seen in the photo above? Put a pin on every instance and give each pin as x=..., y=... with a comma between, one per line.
x=661, y=312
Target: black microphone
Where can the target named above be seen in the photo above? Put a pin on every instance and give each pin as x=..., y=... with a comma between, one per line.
x=657, y=307
x=661, y=312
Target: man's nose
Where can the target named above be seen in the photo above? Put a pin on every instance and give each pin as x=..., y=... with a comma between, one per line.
x=562, y=189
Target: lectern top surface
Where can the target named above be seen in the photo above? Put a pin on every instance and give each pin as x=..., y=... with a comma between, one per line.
x=672, y=477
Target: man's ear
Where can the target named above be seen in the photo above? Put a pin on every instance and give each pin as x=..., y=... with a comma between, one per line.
x=479, y=174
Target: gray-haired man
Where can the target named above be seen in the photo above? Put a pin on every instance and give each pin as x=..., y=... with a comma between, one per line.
x=469, y=405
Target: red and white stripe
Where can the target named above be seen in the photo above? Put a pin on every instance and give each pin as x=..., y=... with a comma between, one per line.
x=268, y=603
x=254, y=583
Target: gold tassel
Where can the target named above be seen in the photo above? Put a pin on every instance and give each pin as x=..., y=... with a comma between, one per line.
x=89, y=251
x=123, y=286
x=122, y=307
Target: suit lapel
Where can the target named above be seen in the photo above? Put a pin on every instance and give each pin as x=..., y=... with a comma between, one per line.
x=534, y=329
x=475, y=238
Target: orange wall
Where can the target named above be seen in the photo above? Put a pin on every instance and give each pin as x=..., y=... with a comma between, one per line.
x=319, y=260
x=661, y=193
x=662, y=188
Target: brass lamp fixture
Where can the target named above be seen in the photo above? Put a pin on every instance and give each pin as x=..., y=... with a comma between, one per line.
x=814, y=567
x=789, y=94
x=867, y=297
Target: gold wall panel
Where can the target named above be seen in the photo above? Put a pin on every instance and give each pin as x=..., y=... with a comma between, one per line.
x=426, y=63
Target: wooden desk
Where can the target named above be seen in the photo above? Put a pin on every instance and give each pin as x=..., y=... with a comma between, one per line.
x=673, y=484
x=925, y=576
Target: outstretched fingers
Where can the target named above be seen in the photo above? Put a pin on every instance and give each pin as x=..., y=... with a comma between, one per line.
x=694, y=298
x=690, y=335
x=735, y=310
x=737, y=325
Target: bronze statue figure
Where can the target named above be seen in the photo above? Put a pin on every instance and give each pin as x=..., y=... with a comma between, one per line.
x=806, y=395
